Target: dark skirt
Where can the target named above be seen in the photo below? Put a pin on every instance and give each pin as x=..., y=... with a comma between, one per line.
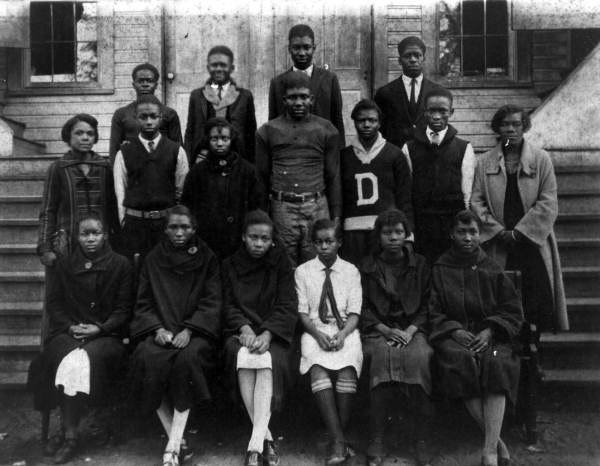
x=464, y=374
x=107, y=362
x=281, y=360
x=409, y=364
x=180, y=375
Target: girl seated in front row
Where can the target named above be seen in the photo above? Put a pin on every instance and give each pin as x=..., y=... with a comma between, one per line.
x=260, y=317
x=89, y=300
x=329, y=304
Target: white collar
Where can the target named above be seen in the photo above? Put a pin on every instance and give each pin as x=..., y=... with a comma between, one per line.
x=441, y=134
x=146, y=141
x=407, y=79
x=308, y=71
x=320, y=266
x=364, y=155
x=224, y=86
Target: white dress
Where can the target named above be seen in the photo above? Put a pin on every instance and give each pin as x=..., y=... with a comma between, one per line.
x=347, y=290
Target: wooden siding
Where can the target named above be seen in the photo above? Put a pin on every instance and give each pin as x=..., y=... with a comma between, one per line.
x=550, y=58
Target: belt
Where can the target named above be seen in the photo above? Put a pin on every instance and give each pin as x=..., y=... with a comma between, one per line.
x=297, y=198
x=153, y=214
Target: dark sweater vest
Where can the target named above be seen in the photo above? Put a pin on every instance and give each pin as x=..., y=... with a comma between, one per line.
x=150, y=177
x=437, y=172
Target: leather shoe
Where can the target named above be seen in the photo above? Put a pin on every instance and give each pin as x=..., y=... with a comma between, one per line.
x=336, y=452
x=253, y=458
x=53, y=444
x=422, y=453
x=270, y=455
x=374, y=460
x=66, y=452
x=185, y=452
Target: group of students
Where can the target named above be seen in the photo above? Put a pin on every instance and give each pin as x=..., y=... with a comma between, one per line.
x=371, y=251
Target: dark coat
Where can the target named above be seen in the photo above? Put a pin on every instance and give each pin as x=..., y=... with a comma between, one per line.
x=223, y=194
x=327, y=94
x=397, y=126
x=240, y=113
x=473, y=294
x=79, y=290
x=261, y=293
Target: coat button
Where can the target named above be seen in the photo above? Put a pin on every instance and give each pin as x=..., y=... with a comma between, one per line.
x=230, y=219
x=92, y=305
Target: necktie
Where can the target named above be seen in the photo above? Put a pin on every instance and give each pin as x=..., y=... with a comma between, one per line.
x=435, y=138
x=327, y=294
x=150, y=146
x=412, y=103
x=220, y=92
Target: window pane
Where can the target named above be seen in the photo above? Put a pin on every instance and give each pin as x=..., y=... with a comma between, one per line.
x=86, y=22
x=64, y=59
x=497, y=55
x=497, y=16
x=473, y=60
x=62, y=19
x=450, y=57
x=39, y=21
x=87, y=62
x=449, y=18
x=41, y=63
x=472, y=17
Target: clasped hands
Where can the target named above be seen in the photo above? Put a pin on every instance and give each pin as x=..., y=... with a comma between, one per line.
x=255, y=343
x=83, y=331
x=330, y=343
x=475, y=342
x=165, y=337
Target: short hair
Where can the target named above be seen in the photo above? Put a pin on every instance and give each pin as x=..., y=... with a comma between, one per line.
x=181, y=210
x=65, y=132
x=222, y=49
x=257, y=217
x=390, y=218
x=510, y=109
x=439, y=92
x=148, y=99
x=365, y=104
x=90, y=215
x=295, y=80
x=466, y=216
x=219, y=122
x=301, y=30
x=325, y=224
x=411, y=40
x=146, y=66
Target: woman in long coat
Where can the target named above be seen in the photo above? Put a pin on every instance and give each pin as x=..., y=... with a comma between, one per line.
x=177, y=322
x=395, y=285
x=475, y=315
x=89, y=300
x=515, y=196
x=260, y=318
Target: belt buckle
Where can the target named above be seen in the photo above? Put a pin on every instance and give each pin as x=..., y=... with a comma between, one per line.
x=154, y=214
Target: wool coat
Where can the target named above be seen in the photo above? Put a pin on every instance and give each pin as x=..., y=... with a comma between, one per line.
x=85, y=290
x=327, y=103
x=538, y=190
x=397, y=126
x=473, y=293
x=239, y=111
x=261, y=293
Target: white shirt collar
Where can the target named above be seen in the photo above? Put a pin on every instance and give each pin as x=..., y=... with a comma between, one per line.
x=225, y=86
x=366, y=156
x=407, y=80
x=442, y=133
x=320, y=266
x=146, y=141
x=308, y=71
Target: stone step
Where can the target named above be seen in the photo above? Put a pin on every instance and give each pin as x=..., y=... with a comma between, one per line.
x=21, y=286
x=584, y=314
x=13, y=380
x=570, y=350
x=22, y=185
x=21, y=318
x=579, y=200
x=579, y=252
x=20, y=206
x=19, y=258
x=581, y=282
x=24, y=147
x=18, y=231
x=26, y=164
x=572, y=377
x=17, y=127
x=577, y=225
x=571, y=177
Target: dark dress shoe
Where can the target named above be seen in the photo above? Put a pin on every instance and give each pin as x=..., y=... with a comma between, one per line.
x=53, y=444
x=336, y=453
x=253, y=458
x=270, y=455
x=66, y=452
x=423, y=454
x=185, y=453
x=374, y=460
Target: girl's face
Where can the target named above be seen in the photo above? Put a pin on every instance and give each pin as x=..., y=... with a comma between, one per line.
x=392, y=238
x=219, y=141
x=258, y=239
x=91, y=235
x=327, y=245
x=179, y=229
x=465, y=237
x=82, y=137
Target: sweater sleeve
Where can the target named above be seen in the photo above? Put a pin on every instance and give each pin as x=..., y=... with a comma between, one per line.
x=174, y=129
x=336, y=109
x=507, y=316
x=233, y=316
x=59, y=319
x=263, y=157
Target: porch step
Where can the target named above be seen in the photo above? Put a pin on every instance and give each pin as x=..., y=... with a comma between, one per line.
x=20, y=206
x=21, y=317
x=572, y=377
x=579, y=251
x=19, y=258
x=13, y=380
x=570, y=350
x=582, y=282
x=21, y=286
x=18, y=230
x=574, y=177
x=27, y=164
x=579, y=200
x=22, y=185
x=577, y=225
x=584, y=314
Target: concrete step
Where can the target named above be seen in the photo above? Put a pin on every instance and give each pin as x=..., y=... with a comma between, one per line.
x=572, y=377
x=584, y=314
x=577, y=225
x=571, y=177
x=19, y=231
x=19, y=258
x=17, y=127
x=579, y=252
x=581, y=282
x=570, y=350
x=13, y=380
x=579, y=200
x=22, y=146
x=26, y=164
x=21, y=318
x=20, y=206
x=22, y=185
x=21, y=286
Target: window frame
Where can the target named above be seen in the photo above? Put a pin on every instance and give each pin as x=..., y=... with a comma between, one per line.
x=19, y=82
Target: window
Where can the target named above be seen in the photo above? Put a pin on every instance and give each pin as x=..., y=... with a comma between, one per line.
x=473, y=39
x=63, y=38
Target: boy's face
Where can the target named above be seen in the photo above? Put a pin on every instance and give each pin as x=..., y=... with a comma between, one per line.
x=258, y=239
x=511, y=129
x=301, y=50
x=465, y=236
x=220, y=68
x=148, y=116
x=411, y=59
x=145, y=82
x=437, y=111
x=327, y=245
x=297, y=102
x=367, y=124
x=82, y=137
x=91, y=235
x=179, y=229
x=391, y=238
x=219, y=141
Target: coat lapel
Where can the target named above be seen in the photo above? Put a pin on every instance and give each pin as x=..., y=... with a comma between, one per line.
x=315, y=81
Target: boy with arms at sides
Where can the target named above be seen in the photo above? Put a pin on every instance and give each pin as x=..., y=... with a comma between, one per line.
x=220, y=97
x=149, y=172
x=324, y=85
x=124, y=124
x=443, y=167
x=297, y=157
x=375, y=178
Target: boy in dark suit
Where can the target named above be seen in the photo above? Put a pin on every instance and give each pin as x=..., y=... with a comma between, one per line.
x=401, y=101
x=124, y=123
x=220, y=97
x=324, y=85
